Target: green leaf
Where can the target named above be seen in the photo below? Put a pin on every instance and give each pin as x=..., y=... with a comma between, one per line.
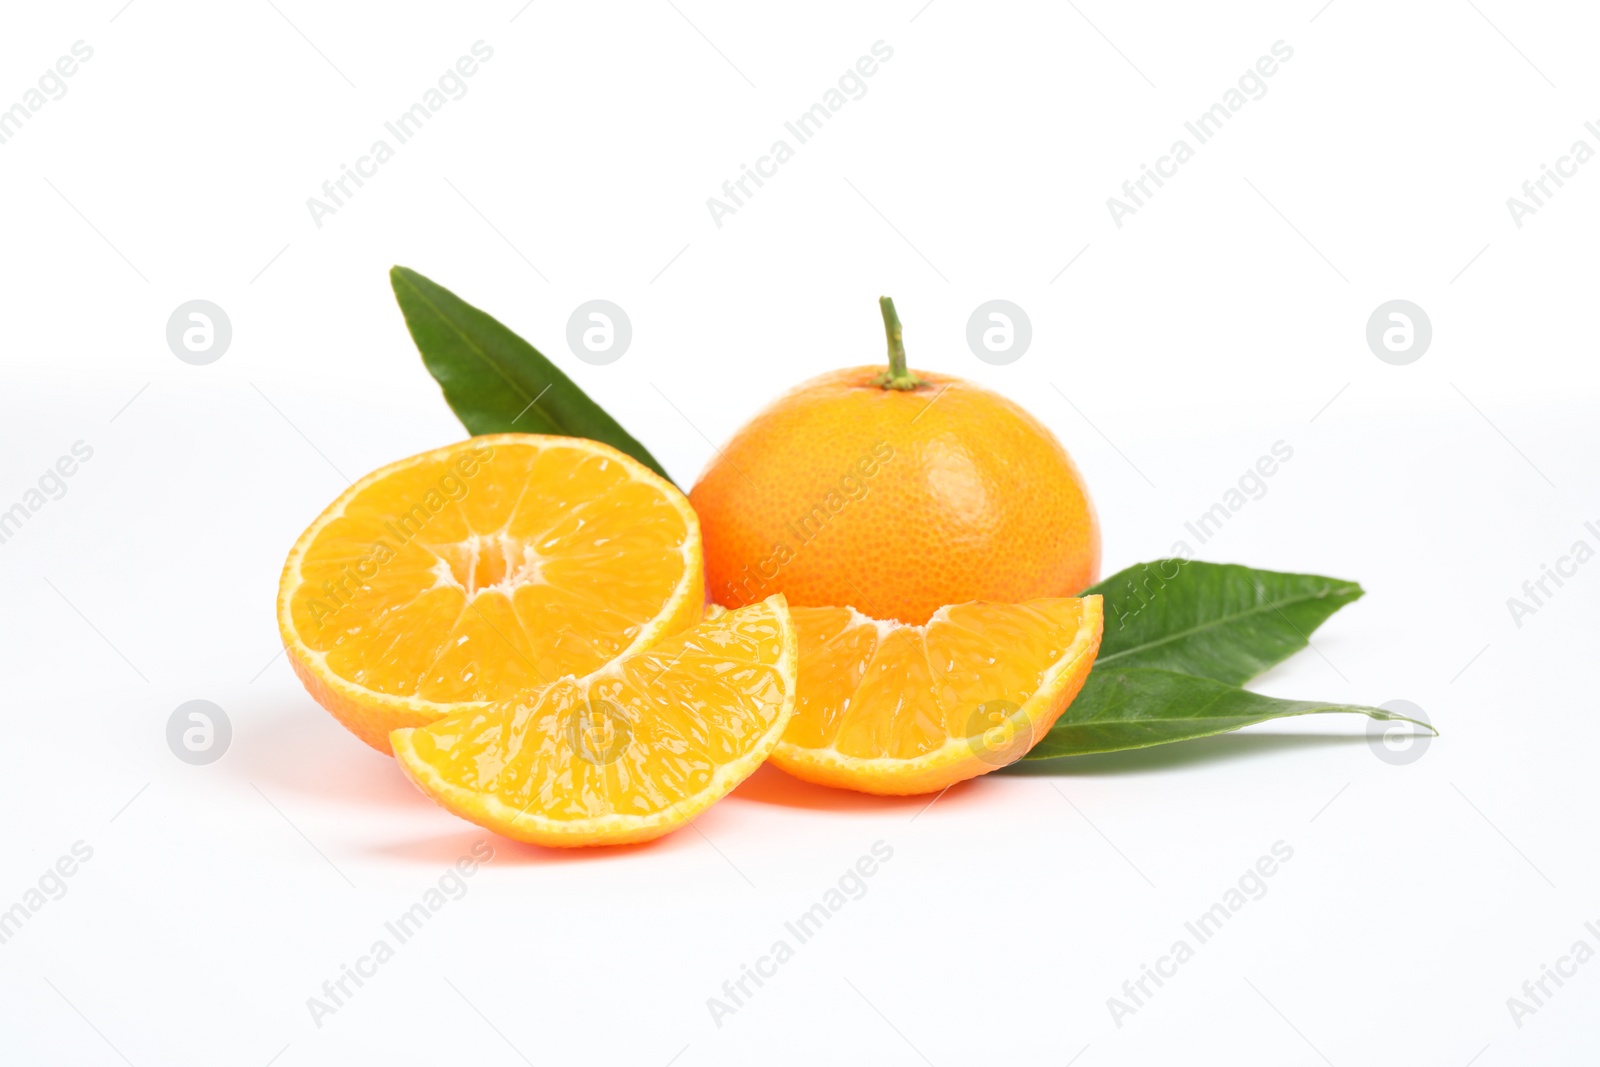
x=1215, y=620
x=1138, y=707
x=495, y=381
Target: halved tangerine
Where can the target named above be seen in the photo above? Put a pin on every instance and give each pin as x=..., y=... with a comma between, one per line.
x=630, y=752
x=470, y=573
x=885, y=707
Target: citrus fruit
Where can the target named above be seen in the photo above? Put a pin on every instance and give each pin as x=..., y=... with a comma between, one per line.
x=628, y=753
x=470, y=573
x=895, y=492
x=885, y=707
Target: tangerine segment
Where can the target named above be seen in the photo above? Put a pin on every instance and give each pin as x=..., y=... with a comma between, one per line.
x=470, y=573
x=884, y=707
x=628, y=753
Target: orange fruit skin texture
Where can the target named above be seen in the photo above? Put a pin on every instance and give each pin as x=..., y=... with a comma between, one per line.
x=895, y=502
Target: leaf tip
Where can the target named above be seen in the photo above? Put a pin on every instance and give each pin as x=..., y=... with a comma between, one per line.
x=1395, y=717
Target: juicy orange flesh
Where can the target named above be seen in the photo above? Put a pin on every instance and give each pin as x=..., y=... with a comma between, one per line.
x=870, y=690
x=642, y=735
x=462, y=578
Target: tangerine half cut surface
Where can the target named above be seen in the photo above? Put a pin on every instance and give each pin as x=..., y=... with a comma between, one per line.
x=473, y=572
x=631, y=752
x=885, y=707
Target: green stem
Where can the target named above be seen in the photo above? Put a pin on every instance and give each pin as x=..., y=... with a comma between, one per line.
x=897, y=376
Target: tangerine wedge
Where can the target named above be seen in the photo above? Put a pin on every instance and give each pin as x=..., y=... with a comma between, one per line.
x=473, y=572
x=885, y=707
x=628, y=753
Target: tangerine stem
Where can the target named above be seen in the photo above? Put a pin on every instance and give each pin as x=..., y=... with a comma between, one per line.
x=897, y=376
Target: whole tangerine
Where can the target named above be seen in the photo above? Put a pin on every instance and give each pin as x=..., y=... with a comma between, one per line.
x=894, y=492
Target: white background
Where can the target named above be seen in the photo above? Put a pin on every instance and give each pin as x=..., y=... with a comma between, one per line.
x=1227, y=314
